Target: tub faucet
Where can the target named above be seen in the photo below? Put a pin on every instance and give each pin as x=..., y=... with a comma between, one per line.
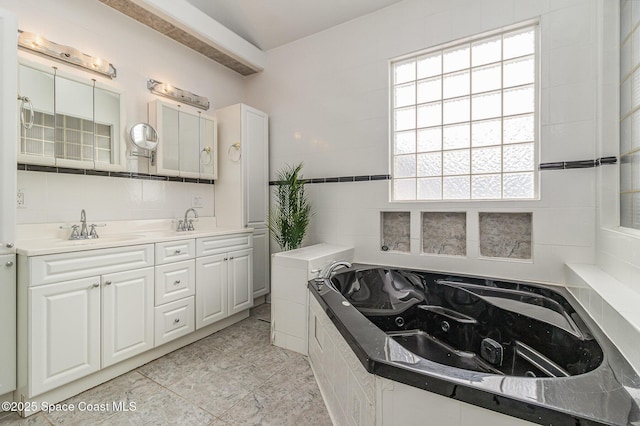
x=331, y=268
x=324, y=275
x=187, y=224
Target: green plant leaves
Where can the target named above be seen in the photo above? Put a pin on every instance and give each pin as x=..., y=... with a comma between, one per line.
x=291, y=212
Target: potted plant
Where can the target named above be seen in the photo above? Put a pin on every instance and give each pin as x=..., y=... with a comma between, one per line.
x=290, y=214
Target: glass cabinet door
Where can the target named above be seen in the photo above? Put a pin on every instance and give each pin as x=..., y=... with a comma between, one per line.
x=189, y=145
x=208, y=149
x=107, y=151
x=36, y=108
x=74, y=123
x=169, y=137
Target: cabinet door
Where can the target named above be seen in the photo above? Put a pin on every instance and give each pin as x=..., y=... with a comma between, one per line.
x=36, y=143
x=127, y=314
x=261, y=262
x=240, y=280
x=208, y=149
x=256, y=167
x=189, y=142
x=168, y=147
x=8, y=323
x=64, y=333
x=211, y=289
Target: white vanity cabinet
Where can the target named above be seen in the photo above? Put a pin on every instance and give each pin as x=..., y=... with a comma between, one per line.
x=85, y=311
x=224, y=277
x=64, y=330
x=175, y=286
x=127, y=314
x=188, y=141
x=243, y=181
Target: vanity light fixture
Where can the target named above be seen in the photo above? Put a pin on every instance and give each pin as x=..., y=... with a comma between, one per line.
x=172, y=92
x=67, y=54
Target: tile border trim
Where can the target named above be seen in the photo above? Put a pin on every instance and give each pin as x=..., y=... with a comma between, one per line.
x=104, y=173
x=580, y=164
x=340, y=179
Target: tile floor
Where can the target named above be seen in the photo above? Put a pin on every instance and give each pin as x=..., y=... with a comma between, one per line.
x=232, y=377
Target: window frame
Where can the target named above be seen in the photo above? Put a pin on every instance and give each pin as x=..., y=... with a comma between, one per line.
x=533, y=24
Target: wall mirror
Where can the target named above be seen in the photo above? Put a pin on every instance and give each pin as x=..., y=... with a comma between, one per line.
x=68, y=121
x=144, y=137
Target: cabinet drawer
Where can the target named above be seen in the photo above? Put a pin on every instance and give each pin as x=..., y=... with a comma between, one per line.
x=223, y=243
x=69, y=266
x=175, y=251
x=174, y=319
x=175, y=281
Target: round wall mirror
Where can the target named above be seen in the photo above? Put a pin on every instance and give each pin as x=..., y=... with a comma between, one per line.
x=144, y=136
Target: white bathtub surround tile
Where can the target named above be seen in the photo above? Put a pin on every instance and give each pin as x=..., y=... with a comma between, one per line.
x=444, y=233
x=396, y=231
x=506, y=235
x=611, y=303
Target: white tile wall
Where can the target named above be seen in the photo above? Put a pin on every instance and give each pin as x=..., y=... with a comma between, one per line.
x=53, y=197
x=327, y=96
x=138, y=53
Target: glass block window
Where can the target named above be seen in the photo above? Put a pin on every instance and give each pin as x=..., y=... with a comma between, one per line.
x=464, y=119
x=630, y=115
x=68, y=137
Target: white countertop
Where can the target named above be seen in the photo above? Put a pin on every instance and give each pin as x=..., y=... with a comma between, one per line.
x=42, y=239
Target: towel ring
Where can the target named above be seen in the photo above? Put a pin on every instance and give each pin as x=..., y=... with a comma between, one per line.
x=205, y=156
x=234, y=152
x=26, y=105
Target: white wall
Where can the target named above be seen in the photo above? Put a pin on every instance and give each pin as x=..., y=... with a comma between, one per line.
x=138, y=53
x=327, y=96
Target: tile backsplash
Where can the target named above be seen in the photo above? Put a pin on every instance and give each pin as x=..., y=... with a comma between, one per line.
x=59, y=197
x=444, y=233
x=505, y=235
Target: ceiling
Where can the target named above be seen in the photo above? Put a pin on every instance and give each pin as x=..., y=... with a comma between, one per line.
x=271, y=23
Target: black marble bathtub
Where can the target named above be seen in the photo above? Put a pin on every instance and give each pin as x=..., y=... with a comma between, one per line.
x=522, y=349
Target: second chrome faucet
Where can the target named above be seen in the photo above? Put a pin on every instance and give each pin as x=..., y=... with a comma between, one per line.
x=187, y=224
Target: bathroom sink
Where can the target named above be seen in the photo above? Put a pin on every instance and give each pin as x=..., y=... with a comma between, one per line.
x=108, y=238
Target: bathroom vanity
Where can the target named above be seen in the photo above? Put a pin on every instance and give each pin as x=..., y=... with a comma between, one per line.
x=90, y=310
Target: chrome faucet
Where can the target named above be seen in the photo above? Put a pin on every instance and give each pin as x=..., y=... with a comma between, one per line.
x=332, y=267
x=84, y=232
x=187, y=224
x=324, y=275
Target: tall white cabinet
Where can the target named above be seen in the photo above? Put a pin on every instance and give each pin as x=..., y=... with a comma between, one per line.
x=242, y=187
x=8, y=138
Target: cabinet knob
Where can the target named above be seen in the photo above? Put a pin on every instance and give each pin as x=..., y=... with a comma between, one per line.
x=176, y=282
x=95, y=285
x=9, y=264
x=178, y=251
x=177, y=320
x=9, y=245
x=108, y=282
x=231, y=258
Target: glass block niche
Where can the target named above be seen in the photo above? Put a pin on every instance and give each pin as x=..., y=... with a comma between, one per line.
x=506, y=235
x=444, y=233
x=396, y=231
